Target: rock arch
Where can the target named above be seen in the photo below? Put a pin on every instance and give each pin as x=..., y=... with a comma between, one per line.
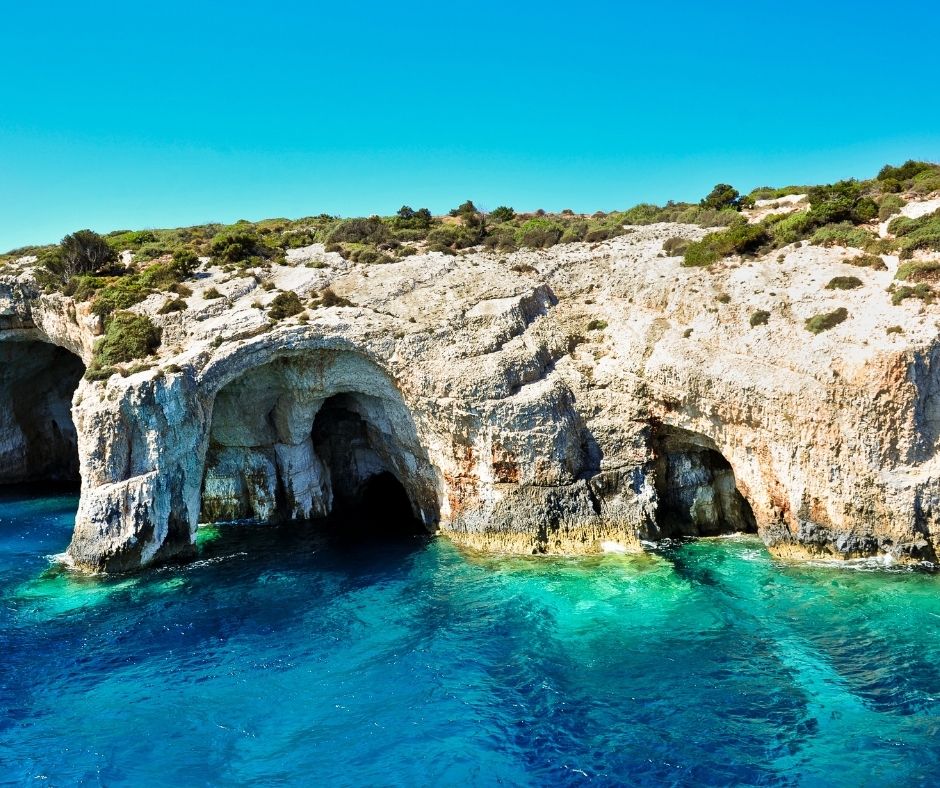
x=696, y=488
x=302, y=435
x=38, y=441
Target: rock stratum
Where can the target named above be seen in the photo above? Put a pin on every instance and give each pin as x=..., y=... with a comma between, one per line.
x=583, y=398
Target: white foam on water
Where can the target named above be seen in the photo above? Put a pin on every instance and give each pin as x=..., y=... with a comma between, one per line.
x=614, y=547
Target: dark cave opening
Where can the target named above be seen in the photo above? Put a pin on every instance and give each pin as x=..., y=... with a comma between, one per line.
x=347, y=465
x=369, y=500
x=38, y=442
x=696, y=487
x=379, y=511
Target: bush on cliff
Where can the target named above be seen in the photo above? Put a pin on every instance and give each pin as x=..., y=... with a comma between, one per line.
x=740, y=239
x=759, y=318
x=920, y=290
x=364, y=231
x=82, y=252
x=823, y=322
x=914, y=234
x=502, y=213
x=721, y=197
x=540, y=233
x=844, y=283
x=128, y=336
x=285, y=304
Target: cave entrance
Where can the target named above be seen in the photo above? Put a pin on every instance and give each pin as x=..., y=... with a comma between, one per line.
x=38, y=442
x=696, y=487
x=291, y=442
x=369, y=500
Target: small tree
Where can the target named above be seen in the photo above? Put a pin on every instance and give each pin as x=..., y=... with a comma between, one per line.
x=82, y=252
x=464, y=208
x=185, y=262
x=502, y=214
x=128, y=336
x=285, y=304
x=721, y=197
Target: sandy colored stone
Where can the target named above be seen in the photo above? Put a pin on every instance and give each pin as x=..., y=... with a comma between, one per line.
x=518, y=409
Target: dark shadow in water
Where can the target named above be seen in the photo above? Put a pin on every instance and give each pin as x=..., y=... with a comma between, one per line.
x=378, y=521
x=24, y=491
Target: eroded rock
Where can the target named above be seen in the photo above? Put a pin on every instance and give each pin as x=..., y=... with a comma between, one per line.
x=520, y=410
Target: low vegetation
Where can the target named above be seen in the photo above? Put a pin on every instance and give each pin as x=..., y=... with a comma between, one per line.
x=92, y=267
x=920, y=291
x=738, y=239
x=872, y=261
x=127, y=337
x=914, y=234
x=918, y=271
x=844, y=283
x=286, y=304
x=759, y=318
x=823, y=322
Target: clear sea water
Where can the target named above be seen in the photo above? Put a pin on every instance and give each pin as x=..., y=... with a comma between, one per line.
x=275, y=660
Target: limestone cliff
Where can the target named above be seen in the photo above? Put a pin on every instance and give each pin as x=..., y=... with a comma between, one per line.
x=580, y=398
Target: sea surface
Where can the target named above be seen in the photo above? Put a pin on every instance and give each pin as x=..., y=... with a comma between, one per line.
x=278, y=660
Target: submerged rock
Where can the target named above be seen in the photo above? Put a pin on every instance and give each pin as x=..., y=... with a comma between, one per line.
x=557, y=401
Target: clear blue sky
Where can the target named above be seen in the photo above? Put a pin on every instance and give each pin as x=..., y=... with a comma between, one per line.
x=126, y=115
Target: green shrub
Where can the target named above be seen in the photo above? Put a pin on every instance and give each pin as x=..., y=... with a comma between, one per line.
x=212, y=293
x=100, y=373
x=127, y=337
x=456, y=236
x=918, y=271
x=844, y=283
x=238, y=245
x=789, y=228
x=872, y=261
x=503, y=238
x=723, y=298
x=464, y=209
x=842, y=234
x=914, y=234
x=184, y=264
x=129, y=239
x=173, y=305
x=894, y=330
x=644, y=213
x=502, y=214
x=574, y=232
x=823, y=322
x=329, y=298
x=905, y=172
x=890, y=205
x=597, y=325
x=410, y=219
x=718, y=218
x=920, y=290
x=113, y=293
x=286, y=304
x=740, y=239
x=721, y=197
x=675, y=246
x=369, y=256
x=439, y=247
x=81, y=252
x=760, y=318
x=927, y=181
x=540, y=233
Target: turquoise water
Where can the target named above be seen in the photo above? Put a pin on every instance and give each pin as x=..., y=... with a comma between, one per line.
x=274, y=661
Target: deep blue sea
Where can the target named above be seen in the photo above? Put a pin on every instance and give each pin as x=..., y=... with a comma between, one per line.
x=276, y=660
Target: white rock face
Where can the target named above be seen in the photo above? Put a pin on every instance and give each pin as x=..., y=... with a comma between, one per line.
x=554, y=401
